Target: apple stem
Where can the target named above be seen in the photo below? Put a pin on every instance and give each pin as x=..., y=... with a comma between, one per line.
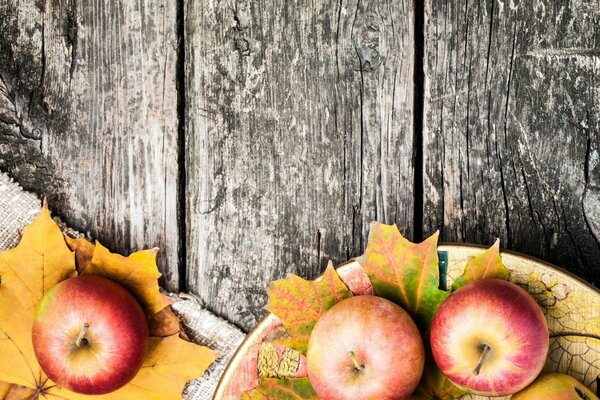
x=81, y=336
x=484, y=354
x=357, y=364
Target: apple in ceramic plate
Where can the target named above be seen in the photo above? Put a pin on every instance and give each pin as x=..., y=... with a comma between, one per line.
x=490, y=337
x=90, y=335
x=555, y=386
x=365, y=347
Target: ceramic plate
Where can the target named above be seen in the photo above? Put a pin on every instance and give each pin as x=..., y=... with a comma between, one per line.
x=572, y=309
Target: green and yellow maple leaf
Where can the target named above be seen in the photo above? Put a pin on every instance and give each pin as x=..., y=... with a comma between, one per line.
x=485, y=265
x=404, y=272
x=300, y=303
x=408, y=274
x=282, y=389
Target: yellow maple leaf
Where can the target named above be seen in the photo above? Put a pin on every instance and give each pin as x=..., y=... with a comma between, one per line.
x=28, y=271
x=485, y=265
x=170, y=363
x=138, y=273
x=41, y=260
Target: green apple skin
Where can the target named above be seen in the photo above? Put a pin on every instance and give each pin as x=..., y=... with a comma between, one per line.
x=555, y=386
x=110, y=350
x=385, y=342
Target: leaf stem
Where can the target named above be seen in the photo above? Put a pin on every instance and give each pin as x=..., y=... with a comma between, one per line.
x=81, y=337
x=357, y=364
x=484, y=353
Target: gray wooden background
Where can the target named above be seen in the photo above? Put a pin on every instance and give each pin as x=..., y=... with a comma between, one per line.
x=251, y=138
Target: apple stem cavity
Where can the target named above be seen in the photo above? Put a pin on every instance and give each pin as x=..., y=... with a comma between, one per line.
x=484, y=353
x=81, y=339
x=357, y=365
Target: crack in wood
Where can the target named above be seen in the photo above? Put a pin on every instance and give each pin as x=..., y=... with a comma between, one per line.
x=181, y=149
x=564, y=52
x=72, y=28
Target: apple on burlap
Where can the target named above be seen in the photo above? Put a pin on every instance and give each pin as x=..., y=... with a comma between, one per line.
x=90, y=335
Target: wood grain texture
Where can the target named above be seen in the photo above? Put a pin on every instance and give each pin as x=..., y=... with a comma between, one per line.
x=511, y=143
x=88, y=116
x=299, y=122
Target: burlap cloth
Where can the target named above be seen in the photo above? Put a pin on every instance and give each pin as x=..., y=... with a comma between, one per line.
x=18, y=208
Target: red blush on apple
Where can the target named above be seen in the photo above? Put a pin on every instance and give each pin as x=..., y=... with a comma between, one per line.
x=90, y=335
x=490, y=337
x=365, y=347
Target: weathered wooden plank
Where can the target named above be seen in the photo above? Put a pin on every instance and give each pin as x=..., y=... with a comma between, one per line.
x=511, y=137
x=88, y=116
x=299, y=120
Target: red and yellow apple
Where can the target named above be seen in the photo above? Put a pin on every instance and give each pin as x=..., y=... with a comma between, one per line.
x=490, y=337
x=90, y=335
x=555, y=386
x=367, y=348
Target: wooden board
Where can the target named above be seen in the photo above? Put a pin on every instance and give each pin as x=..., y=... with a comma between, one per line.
x=510, y=132
x=88, y=116
x=571, y=307
x=299, y=121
